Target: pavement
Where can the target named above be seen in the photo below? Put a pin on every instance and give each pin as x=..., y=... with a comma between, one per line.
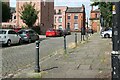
x=90, y=59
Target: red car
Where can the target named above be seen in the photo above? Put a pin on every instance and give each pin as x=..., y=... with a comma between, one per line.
x=17, y=29
x=52, y=33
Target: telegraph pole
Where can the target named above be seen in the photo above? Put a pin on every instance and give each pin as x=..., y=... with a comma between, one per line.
x=116, y=41
x=115, y=26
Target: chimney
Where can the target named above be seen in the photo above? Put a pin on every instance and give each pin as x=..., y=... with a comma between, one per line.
x=83, y=7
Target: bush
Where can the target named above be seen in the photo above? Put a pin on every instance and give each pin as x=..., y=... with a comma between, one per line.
x=37, y=29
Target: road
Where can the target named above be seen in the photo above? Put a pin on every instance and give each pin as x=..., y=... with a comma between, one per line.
x=17, y=58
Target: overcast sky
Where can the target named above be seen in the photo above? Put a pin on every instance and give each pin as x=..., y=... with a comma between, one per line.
x=71, y=3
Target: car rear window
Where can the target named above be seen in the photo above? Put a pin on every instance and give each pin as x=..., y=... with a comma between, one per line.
x=22, y=32
x=2, y=32
x=51, y=30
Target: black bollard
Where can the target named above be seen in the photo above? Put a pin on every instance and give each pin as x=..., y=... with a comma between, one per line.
x=37, y=67
x=65, y=44
x=75, y=39
x=81, y=37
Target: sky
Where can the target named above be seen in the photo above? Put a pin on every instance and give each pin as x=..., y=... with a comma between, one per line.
x=69, y=3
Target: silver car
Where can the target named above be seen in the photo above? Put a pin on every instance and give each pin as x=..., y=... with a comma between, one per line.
x=9, y=36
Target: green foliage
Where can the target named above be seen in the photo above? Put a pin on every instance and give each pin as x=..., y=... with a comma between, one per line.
x=106, y=12
x=5, y=12
x=36, y=29
x=29, y=14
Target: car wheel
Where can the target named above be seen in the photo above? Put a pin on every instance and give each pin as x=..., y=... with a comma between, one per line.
x=107, y=36
x=29, y=41
x=20, y=42
x=9, y=43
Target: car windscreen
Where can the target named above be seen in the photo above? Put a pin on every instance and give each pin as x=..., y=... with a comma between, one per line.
x=2, y=32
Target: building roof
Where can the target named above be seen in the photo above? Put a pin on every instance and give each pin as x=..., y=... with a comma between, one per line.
x=96, y=10
x=74, y=9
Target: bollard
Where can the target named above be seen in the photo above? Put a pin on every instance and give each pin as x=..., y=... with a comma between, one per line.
x=81, y=37
x=65, y=44
x=76, y=39
x=37, y=67
x=87, y=35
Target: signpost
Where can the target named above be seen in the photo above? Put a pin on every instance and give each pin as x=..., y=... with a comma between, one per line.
x=115, y=55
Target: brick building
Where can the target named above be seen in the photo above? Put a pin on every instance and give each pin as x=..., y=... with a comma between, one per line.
x=75, y=18
x=45, y=17
x=95, y=19
x=59, y=17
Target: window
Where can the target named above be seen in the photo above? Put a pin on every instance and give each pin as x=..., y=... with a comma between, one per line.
x=44, y=1
x=55, y=20
x=60, y=20
x=68, y=17
x=2, y=32
x=76, y=16
x=76, y=26
x=59, y=12
x=68, y=26
x=12, y=32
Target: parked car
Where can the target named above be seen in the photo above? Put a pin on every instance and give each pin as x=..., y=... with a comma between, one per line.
x=67, y=32
x=61, y=32
x=9, y=36
x=107, y=34
x=52, y=32
x=28, y=35
x=17, y=29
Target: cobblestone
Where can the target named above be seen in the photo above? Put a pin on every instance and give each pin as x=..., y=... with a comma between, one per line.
x=20, y=57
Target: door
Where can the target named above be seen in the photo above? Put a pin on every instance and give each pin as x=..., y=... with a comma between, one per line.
x=16, y=37
x=13, y=36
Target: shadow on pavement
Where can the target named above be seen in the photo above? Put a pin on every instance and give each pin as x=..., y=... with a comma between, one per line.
x=49, y=68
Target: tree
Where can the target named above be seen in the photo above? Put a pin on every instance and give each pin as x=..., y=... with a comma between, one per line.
x=106, y=12
x=29, y=14
x=5, y=12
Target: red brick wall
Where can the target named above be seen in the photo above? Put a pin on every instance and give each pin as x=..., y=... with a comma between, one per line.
x=72, y=20
x=45, y=16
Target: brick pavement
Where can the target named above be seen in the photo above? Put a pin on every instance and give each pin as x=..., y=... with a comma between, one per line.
x=88, y=60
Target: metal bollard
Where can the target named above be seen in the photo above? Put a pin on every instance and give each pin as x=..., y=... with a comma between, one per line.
x=37, y=67
x=65, y=44
x=76, y=39
x=81, y=37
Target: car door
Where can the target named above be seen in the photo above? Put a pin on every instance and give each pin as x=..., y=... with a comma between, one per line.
x=15, y=37
x=11, y=36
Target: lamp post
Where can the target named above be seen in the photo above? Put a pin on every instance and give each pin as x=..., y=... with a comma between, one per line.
x=116, y=41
